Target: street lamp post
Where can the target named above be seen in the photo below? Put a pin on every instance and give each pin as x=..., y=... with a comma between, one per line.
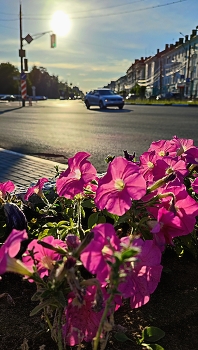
x=21, y=51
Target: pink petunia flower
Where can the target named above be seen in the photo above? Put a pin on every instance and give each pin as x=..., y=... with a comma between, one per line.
x=37, y=189
x=142, y=279
x=168, y=165
x=94, y=257
x=163, y=148
x=195, y=185
x=6, y=187
x=121, y=184
x=175, y=214
x=147, y=165
x=82, y=321
x=79, y=173
x=186, y=149
x=9, y=250
x=45, y=258
x=182, y=145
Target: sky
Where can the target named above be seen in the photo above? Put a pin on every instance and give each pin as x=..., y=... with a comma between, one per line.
x=104, y=39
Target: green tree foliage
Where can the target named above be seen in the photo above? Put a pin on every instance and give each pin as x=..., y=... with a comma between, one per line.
x=45, y=84
x=7, y=84
x=138, y=90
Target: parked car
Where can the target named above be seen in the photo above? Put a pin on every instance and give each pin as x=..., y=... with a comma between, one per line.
x=8, y=98
x=103, y=98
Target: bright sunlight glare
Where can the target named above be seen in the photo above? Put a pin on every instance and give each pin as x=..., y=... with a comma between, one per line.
x=61, y=23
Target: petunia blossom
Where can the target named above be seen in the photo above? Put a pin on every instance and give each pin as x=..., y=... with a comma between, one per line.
x=142, y=279
x=175, y=214
x=6, y=187
x=77, y=176
x=81, y=321
x=9, y=250
x=95, y=256
x=121, y=184
x=195, y=185
x=182, y=145
x=147, y=165
x=186, y=149
x=45, y=258
x=163, y=148
x=169, y=165
x=37, y=189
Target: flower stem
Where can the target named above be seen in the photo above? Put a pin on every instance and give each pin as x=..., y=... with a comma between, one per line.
x=104, y=316
x=47, y=319
x=59, y=337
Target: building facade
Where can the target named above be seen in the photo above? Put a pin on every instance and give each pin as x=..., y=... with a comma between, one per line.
x=174, y=69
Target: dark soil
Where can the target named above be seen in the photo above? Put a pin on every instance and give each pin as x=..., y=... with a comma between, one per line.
x=173, y=307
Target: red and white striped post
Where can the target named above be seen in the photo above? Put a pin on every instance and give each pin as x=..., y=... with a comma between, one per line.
x=23, y=86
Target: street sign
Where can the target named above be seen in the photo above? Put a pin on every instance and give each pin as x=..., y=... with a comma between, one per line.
x=28, y=38
x=23, y=76
x=21, y=53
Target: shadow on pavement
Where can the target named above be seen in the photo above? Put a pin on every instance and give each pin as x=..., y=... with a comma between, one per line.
x=9, y=110
x=107, y=110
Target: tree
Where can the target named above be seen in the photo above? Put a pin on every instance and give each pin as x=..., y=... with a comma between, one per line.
x=138, y=90
x=7, y=83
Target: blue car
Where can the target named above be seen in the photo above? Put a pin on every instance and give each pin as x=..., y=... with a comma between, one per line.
x=103, y=98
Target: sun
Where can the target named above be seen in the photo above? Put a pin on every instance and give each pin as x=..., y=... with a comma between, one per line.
x=61, y=23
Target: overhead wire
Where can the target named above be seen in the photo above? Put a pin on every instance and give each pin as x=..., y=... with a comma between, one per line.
x=116, y=13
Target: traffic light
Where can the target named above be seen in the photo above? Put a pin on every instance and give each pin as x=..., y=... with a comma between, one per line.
x=25, y=65
x=53, y=40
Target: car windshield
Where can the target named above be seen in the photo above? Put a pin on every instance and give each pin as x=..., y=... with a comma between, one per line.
x=106, y=92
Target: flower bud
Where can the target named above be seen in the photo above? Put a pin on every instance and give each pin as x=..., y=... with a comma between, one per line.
x=15, y=218
x=72, y=241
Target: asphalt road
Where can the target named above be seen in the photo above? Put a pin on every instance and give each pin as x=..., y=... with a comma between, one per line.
x=56, y=129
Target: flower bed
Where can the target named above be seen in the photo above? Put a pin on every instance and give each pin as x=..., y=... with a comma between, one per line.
x=93, y=244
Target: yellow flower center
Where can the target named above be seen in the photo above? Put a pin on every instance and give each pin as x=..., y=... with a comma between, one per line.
x=161, y=153
x=77, y=174
x=150, y=165
x=119, y=184
x=47, y=262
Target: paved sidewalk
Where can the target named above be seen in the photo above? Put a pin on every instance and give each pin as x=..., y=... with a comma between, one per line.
x=25, y=170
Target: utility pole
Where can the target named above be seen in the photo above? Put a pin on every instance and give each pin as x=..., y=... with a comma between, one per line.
x=21, y=51
x=188, y=69
x=160, y=76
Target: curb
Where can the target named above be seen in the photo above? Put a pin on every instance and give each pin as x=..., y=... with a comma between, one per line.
x=41, y=160
x=162, y=104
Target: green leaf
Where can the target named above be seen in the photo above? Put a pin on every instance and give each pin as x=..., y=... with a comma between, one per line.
x=128, y=253
x=51, y=224
x=44, y=233
x=152, y=334
x=61, y=299
x=62, y=224
x=93, y=219
x=153, y=346
x=36, y=296
x=101, y=220
x=42, y=305
x=88, y=204
x=120, y=336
